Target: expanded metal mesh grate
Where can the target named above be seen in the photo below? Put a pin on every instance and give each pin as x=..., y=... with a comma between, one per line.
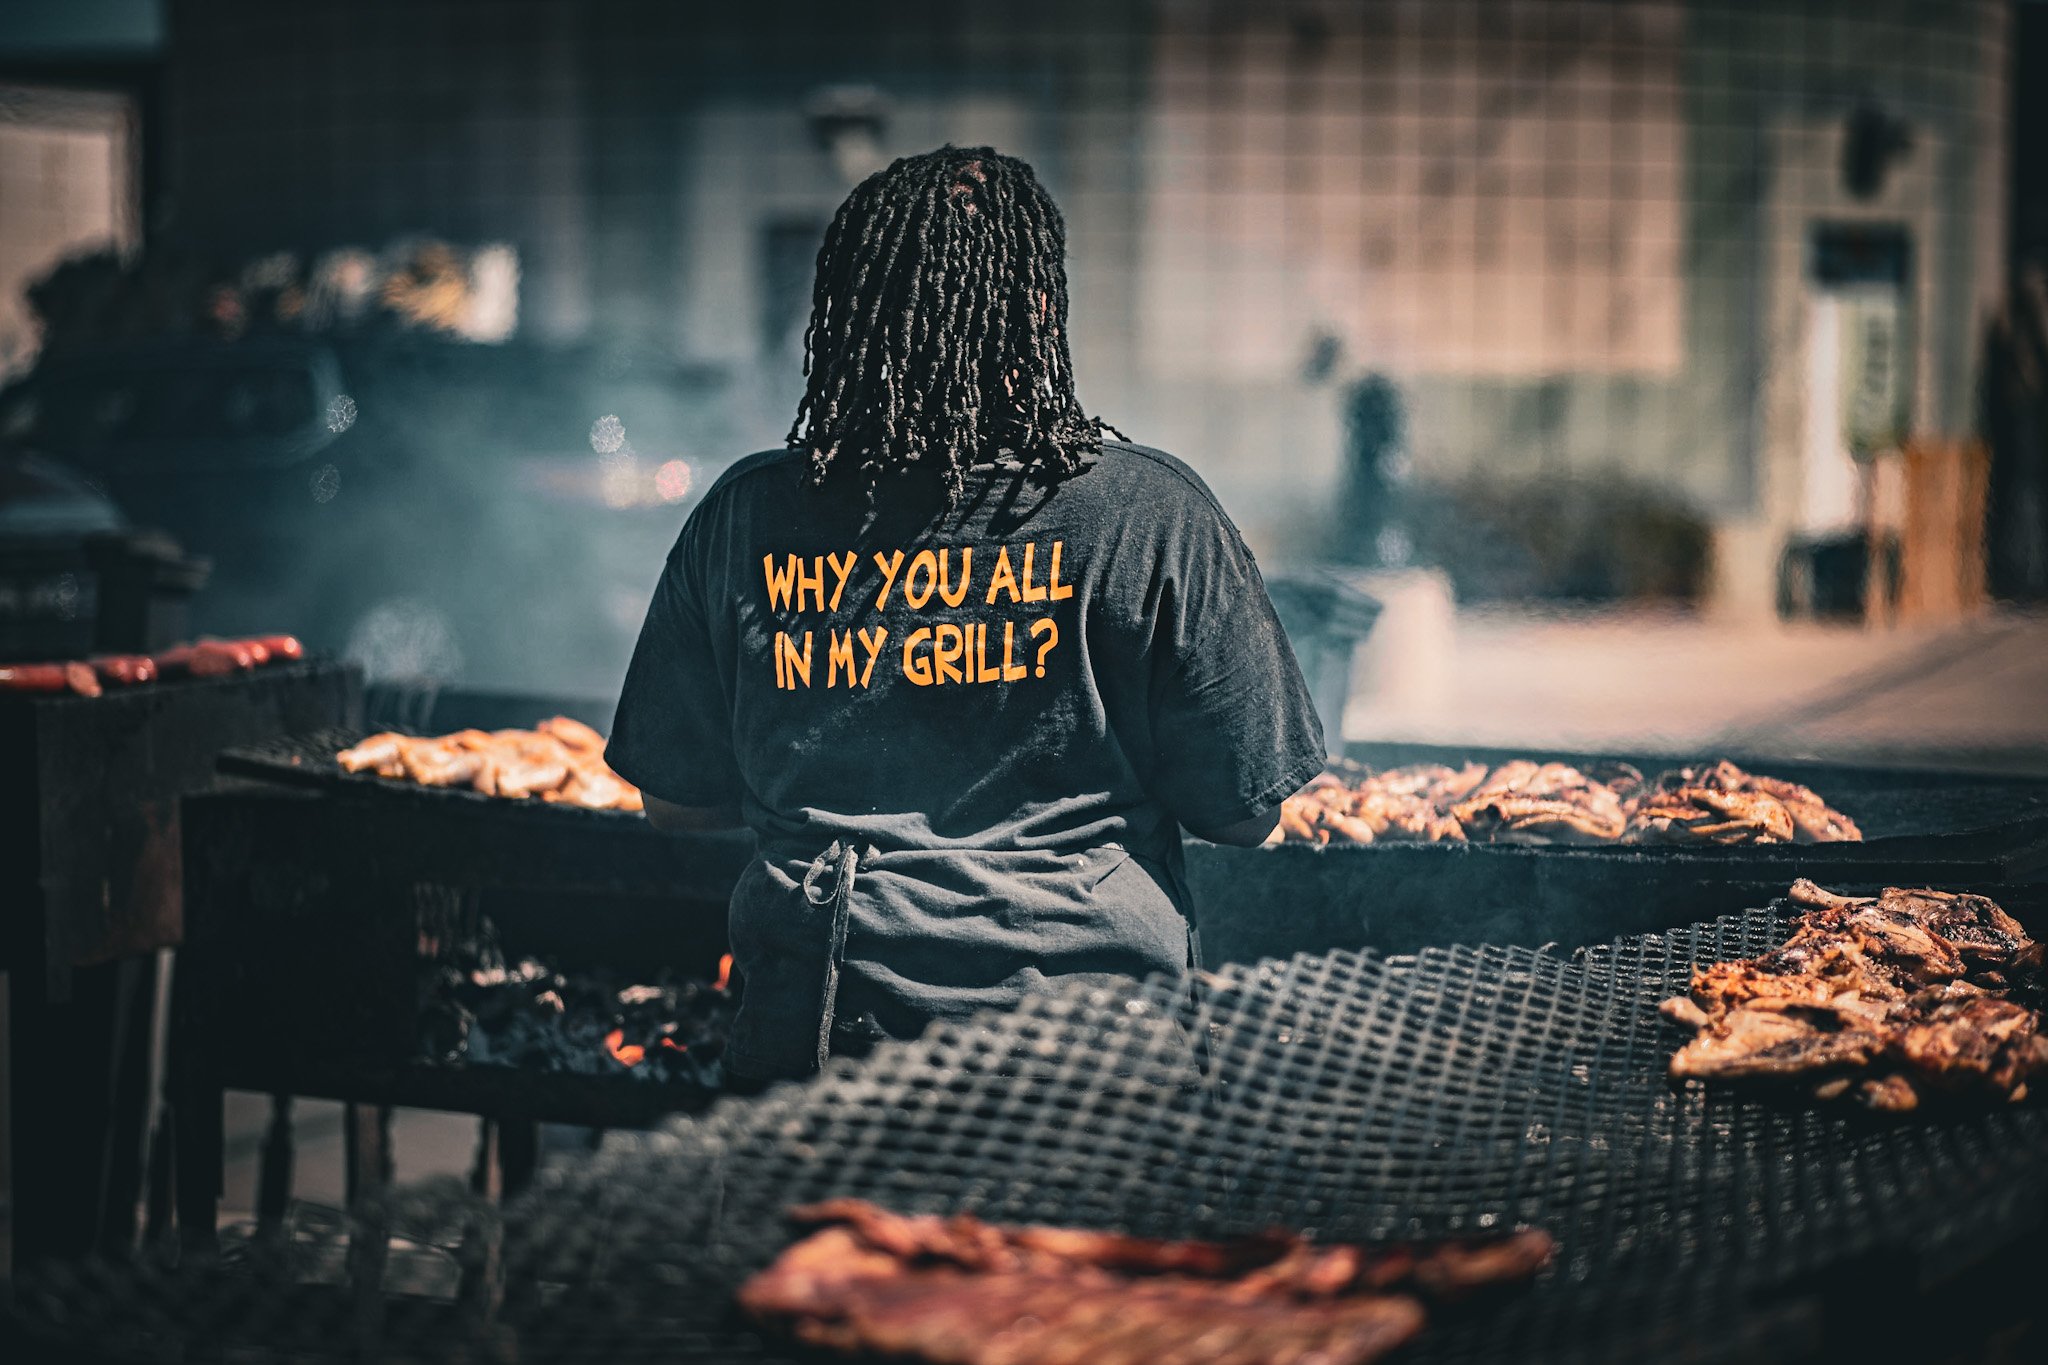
x=1455, y=1091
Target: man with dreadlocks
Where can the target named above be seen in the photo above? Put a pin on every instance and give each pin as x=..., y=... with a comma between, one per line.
x=964, y=666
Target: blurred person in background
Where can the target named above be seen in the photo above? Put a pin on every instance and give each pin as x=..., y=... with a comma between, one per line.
x=965, y=667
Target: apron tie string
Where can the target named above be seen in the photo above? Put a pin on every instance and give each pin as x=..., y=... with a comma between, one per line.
x=841, y=859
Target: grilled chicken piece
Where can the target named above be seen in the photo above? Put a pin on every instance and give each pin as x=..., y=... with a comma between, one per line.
x=1625, y=780
x=1971, y=1040
x=1347, y=827
x=1525, y=801
x=1506, y=780
x=1904, y=943
x=1923, y=937
x=1906, y=987
x=1814, y=821
x=1982, y=933
x=1321, y=812
x=1722, y=985
x=1433, y=782
x=517, y=773
x=1811, y=819
x=1395, y=815
x=378, y=754
x=572, y=733
x=1776, y=1038
x=1811, y=895
x=1297, y=822
x=1702, y=814
x=439, y=762
x=1553, y=820
x=592, y=787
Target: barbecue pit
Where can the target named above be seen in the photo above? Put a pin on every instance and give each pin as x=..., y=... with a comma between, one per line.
x=320, y=916
x=90, y=850
x=1352, y=1096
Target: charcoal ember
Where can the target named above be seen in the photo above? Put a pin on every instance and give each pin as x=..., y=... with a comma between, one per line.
x=444, y=1030
x=478, y=1009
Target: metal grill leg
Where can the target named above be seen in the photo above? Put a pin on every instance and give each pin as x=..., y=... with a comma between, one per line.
x=366, y=1141
x=274, y=1178
x=518, y=1155
x=198, y=1142
x=483, y=1172
x=482, y=1258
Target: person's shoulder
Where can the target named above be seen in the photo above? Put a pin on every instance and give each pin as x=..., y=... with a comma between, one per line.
x=735, y=496
x=752, y=471
x=1156, y=474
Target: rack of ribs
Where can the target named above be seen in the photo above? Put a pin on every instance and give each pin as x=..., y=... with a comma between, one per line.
x=1886, y=997
x=963, y=1292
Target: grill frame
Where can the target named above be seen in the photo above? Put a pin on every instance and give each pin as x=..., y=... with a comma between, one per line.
x=1252, y=903
x=2008, y=846
x=90, y=893
x=1404, y=897
x=91, y=839
x=307, y=912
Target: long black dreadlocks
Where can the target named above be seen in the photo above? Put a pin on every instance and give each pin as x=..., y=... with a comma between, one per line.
x=938, y=332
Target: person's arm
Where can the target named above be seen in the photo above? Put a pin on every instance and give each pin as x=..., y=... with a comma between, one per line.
x=672, y=734
x=670, y=818
x=1246, y=833
x=1234, y=732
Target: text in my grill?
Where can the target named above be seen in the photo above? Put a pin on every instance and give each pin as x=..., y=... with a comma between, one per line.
x=945, y=652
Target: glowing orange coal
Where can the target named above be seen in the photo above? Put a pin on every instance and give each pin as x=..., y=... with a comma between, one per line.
x=629, y=1054
x=724, y=972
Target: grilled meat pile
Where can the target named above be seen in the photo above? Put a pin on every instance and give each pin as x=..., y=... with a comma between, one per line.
x=560, y=760
x=1549, y=803
x=1886, y=999
x=957, y=1291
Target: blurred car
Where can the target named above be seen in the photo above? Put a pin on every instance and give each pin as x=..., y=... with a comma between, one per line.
x=436, y=510
x=41, y=498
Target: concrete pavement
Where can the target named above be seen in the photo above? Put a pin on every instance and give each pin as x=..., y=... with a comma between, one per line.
x=1972, y=694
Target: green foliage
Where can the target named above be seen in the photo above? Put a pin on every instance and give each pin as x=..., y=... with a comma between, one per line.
x=1572, y=539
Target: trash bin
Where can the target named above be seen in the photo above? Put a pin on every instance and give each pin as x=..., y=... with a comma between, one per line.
x=1325, y=614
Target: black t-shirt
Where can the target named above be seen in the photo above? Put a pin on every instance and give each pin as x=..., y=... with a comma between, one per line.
x=1007, y=707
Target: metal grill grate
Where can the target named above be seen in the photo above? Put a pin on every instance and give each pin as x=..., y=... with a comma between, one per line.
x=1898, y=810
x=1458, y=1090
x=308, y=761
x=1887, y=803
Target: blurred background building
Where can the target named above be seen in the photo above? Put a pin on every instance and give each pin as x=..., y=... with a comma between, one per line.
x=1682, y=302
x=1647, y=376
